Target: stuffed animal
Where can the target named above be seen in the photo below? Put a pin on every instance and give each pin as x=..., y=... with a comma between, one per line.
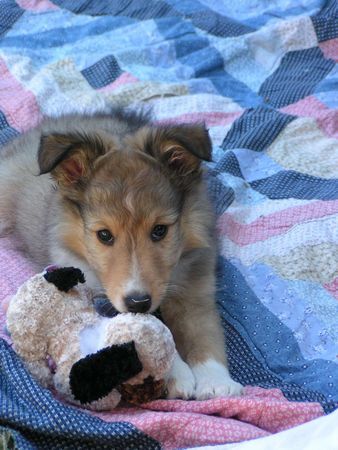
x=96, y=360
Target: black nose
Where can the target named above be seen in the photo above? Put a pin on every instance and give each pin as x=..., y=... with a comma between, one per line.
x=138, y=302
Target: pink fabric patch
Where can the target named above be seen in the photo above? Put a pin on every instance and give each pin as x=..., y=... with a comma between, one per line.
x=211, y=119
x=330, y=49
x=332, y=287
x=21, y=110
x=178, y=423
x=326, y=118
x=37, y=5
x=273, y=224
x=124, y=79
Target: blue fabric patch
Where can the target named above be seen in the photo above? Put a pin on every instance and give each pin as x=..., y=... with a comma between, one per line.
x=292, y=184
x=229, y=163
x=221, y=195
x=137, y=9
x=301, y=69
x=255, y=166
x=275, y=11
x=301, y=305
x=256, y=129
x=10, y=12
x=278, y=364
x=218, y=25
x=57, y=37
x=187, y=45
x=204, y=62
x=103, y=72
x=228, y=86
x=326, y=21
x=7, y=133
x=39, y=421
x=329, y=84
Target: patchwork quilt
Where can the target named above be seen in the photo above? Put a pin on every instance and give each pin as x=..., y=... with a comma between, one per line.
x=263, y=76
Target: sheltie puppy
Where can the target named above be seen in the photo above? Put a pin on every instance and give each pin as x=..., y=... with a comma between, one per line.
x=124, y=200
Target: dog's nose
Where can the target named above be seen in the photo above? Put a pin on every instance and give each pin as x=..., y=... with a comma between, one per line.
x=138, y=302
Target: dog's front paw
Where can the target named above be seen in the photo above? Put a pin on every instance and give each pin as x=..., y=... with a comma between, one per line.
x=213, y=380
x=181, y=380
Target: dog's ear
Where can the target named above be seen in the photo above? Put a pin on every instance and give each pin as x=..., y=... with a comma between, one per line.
x=69, y=157
x=179, y=148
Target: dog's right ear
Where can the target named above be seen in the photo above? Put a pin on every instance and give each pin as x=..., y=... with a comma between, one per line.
x=69, y=157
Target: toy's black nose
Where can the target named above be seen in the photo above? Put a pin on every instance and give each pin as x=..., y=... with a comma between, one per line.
x=138, y=302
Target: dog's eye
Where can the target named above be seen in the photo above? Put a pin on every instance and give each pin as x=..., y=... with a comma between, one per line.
x=158, y=232
x=105, y=237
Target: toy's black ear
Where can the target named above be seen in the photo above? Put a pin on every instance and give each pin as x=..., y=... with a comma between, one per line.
x=65, y=278
x=96, y=375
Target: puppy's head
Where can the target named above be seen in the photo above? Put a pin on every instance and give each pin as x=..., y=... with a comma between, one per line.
x=124, y=204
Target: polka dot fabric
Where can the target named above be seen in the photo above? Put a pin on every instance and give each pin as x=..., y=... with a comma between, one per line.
x=42, y=422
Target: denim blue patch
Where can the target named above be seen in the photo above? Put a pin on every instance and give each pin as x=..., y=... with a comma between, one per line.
x=256, y=129
x=296, y=77
x=292, y=184
x=103, y=72
x=10, y=12
x=7, y=133
x=326, y=21
x=248, y=325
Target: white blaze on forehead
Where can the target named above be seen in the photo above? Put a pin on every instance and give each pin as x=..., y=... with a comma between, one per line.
x=134, y=281
x=129, y=202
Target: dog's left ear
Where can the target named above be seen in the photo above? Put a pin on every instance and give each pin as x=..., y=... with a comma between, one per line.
x=69, y=157
x=179, y=148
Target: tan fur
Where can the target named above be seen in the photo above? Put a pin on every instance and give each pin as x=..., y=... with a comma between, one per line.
x=125, y=175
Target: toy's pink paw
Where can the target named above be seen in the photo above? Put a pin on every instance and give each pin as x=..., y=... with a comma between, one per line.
x=181, y=380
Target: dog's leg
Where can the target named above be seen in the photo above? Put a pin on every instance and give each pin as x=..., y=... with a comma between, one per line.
x=6, y=207
x=199, y=338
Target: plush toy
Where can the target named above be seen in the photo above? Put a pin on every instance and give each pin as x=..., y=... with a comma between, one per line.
x=96, y=360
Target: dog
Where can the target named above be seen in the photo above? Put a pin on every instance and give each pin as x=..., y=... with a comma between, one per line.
x=124, y=200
